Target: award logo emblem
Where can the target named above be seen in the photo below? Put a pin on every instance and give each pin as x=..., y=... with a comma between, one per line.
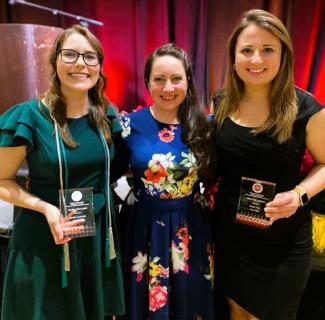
x=257, y=187
x=76, y=196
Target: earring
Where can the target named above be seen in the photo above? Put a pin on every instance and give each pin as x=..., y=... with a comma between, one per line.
x=234, y=66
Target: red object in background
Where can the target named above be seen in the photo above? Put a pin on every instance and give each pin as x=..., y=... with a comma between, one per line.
x=132, y=30
x=308, y=38
x=307, y=163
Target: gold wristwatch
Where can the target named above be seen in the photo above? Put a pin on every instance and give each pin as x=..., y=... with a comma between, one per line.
x=303, y=195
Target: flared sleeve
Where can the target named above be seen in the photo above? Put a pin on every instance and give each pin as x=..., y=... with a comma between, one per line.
x=112, y=115
x=121, y=160
x=17, y=126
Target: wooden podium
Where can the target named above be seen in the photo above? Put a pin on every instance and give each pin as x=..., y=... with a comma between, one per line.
x=24, y=67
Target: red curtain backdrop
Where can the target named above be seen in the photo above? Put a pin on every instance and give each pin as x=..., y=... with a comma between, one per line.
x=132, y=31
x=307, y=30
x=133, y=28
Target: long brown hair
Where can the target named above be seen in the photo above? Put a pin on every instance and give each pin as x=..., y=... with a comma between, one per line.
x=195, y=127
x=98, y=102
x=282, y=98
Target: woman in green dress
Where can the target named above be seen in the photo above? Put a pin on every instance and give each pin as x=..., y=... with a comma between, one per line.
x=66, y=137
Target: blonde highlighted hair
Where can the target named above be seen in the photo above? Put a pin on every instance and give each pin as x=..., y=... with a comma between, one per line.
x=282, y=98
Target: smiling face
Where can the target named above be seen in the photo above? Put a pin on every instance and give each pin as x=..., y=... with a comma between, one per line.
x=167, y=83
x=77, y=76
x=257, y=56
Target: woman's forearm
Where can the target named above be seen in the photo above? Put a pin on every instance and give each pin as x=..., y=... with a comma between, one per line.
x=315, y=180
x=12, y=192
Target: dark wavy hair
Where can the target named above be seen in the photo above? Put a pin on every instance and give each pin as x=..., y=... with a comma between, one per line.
x=55, y=100
x=196, y=131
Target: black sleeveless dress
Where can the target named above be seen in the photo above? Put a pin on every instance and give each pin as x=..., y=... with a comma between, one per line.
x=264, y=271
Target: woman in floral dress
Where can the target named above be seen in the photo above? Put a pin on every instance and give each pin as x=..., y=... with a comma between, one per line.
x=169, y=250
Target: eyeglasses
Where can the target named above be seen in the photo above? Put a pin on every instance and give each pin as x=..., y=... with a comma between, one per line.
x=71, y=56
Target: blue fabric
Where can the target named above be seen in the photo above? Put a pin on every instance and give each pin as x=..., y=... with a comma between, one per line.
x=169, y=249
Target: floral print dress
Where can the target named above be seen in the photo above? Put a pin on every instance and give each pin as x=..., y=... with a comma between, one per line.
x=169, y=250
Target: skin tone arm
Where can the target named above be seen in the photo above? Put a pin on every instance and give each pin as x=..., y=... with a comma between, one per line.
x=10, y=161
x=285, y=204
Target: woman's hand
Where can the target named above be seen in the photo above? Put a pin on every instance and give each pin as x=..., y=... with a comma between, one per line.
x=56, y=223
x=284, y=205
x=55, y=219
x=60, y=225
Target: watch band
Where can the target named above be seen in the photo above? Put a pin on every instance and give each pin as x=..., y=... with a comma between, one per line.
x=303, y=195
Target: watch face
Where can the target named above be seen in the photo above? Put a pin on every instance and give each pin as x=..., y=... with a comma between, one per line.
x=304, y=199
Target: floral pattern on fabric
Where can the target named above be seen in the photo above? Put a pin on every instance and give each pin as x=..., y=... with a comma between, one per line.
x=125, y=123
x=168, y=246
x=167, y=135
x=157, y=291
x=170, y=180
x=209, y=271
x=139, y=265
x=157, y=297
x=206, y=197
x=180, y=251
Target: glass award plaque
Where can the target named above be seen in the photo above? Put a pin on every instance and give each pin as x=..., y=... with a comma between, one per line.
x=76, y=205
x=254, y=194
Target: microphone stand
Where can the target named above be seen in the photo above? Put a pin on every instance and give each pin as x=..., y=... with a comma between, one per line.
x=83, y=21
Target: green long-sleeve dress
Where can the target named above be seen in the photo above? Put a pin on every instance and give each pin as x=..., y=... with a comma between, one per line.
x=36, y=285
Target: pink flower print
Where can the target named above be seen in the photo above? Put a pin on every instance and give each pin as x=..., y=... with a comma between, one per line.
x=166, y=135
x=157, y=297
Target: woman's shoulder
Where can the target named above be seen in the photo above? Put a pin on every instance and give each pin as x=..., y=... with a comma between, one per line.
x=307, y=103
x=17, y=124
x=113, y=115
x=215, y=100
x=24, y=112
x=138, y=113
x=135, y=115
x=112, y=111
x=137, y=118
x=22, y=106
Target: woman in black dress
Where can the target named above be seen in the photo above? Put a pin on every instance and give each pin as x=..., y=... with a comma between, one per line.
x=263, y=123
